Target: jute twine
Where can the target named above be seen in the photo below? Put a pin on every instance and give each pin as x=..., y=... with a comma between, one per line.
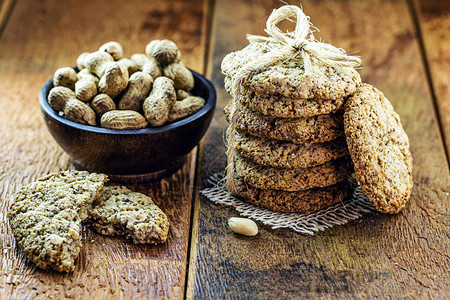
x=299, y=45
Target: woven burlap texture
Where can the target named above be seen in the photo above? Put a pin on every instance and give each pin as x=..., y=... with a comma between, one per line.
x=309, y=224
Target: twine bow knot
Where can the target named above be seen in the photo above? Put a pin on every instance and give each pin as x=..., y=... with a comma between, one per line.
x=296, y=39
x=301, y=41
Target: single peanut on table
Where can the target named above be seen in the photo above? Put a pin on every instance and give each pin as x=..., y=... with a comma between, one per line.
x=243, y=226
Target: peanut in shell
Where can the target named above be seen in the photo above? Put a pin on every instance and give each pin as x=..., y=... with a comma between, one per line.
x=123, y=119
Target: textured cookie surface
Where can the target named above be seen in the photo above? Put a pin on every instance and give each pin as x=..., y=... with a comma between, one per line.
x=233, y=61
x=120, y=211
x=288, y=155
x=292, y=180
x=289, y=79
x=46, y=217
x=315, y=129
x=379, y=148
x=275, y=105
x=301, y=201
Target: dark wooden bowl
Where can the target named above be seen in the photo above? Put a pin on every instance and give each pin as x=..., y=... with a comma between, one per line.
x=131, y=155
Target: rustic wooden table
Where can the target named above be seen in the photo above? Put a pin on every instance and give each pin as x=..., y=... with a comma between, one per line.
x=405, y=46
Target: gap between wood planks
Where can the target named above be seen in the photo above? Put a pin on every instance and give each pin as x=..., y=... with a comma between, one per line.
x=413, y=8
x=195, y=208
x=6, y=8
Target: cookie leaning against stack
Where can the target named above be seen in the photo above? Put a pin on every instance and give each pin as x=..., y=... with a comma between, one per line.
x=287, y=133
x=379, y=147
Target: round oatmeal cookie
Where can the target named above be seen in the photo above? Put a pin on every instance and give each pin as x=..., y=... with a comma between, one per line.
x=292, y=180
x=317, y=129
x=288, y=78
x=120, y=211
x=379, y=148
x=288, y=155
x=46, y=216
x=301, y=201
x=276, y=105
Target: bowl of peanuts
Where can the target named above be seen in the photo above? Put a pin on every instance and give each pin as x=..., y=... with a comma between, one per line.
x=133, y=118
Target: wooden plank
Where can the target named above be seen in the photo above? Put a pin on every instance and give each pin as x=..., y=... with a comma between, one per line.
x=40, y=37
x=380, y=256
x=434, y=23
x=6, y=8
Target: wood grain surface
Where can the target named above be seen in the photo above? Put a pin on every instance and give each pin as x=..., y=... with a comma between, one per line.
x=380, y=256
x=434, y=22
x=6, y=7
x=40, y=37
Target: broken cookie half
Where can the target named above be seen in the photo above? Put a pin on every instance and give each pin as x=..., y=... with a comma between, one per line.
x=46, y=216
x=120, y=211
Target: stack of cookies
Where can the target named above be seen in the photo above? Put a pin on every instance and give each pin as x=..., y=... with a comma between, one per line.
x=302, y=122
x=286, y=146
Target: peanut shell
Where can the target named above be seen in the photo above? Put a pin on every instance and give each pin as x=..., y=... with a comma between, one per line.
x=114, y=80
x=138, y=89
x=79, y=112
x=181, y=76
x=65, y=77
x=123, y=119
x=102, y=103
x=185, y=107
x=160, y=101
x=58, y=97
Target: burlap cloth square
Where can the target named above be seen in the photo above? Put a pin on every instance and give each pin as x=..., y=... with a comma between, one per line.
x=309, y=224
